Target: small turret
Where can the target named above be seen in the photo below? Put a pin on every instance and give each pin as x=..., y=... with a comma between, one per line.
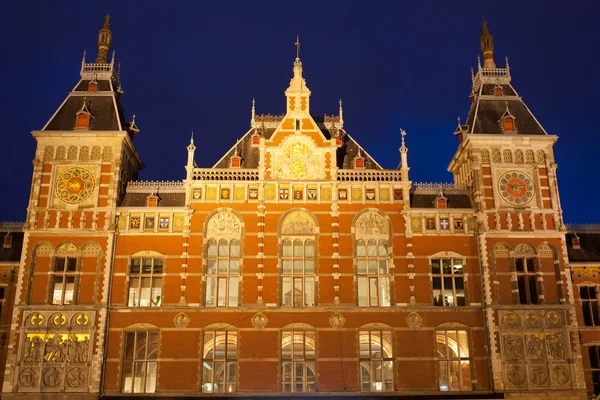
x=487, y=47
x=104, y=40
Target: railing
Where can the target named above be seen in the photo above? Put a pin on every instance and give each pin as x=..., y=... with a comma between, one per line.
x=369, y=175
x=495, y=72
x=11, y=225
x=583, y=227
x=155, y=186
x=93, y=67
x=438, y=185
x=213, y=174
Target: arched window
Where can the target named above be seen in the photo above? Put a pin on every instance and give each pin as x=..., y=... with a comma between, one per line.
x=526, y=268
x=298, y=361
x=140, y=361
x=372, y=260
x=219, y=361
x=223, y=260
x=297, y=256
x=65, y=274
x=145, y=282
x=454, y=359
x=376, y=360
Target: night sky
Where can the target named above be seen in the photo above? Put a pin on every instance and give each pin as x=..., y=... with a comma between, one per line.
x=196, y=66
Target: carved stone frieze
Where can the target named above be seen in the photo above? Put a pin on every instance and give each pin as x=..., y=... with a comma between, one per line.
x=29, y=378
x=511, y=320
x=76, y=377
x=561, y=374
x=556, y=346
x=337, y=320
x=298, y=223
x=372, y=223
x=534, y=346
x=52, y=377
x=259, y=320
x=514, y=349
x=538, y=375
x=516, y=375
x=224, y=224
x=532, y=319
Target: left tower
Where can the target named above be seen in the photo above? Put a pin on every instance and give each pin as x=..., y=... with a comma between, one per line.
x=83, y=161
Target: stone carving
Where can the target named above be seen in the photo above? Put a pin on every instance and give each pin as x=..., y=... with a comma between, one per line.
x=326, y=193
x=72, y=153
x=539, y=375
x=84, y=153
x=485, y=157
x=58, y=320
x=337, y=320
x=81, y=320
x=91, y=249
x=96, y=153
x=181, y=320
x=29, y=378
x=534, y=346
x=524, y=250
x=545, y=250
x=297, y=223
x=75, y=377
x=33, y=350
x=259, y=320
x=516, y=375
x=556, y=346
x=55, y=350
x=66, y=247
x=529, y=158
x=511, y=319
x=519, y=156
x=297, y=162
x=52, y=377
x=560, y=374
x=501, y=250
x=44, y=249
x=78, y=351
x=541, y=157
x=107, y=154
x=496, y=155
x=372, y=223
x=224, y=223
x=513, y=348
x=415, y=223
x=60, y=152
x=35, y=319
x=532, y=319
x=414, y=320
x=553, y=319
x=268, y=117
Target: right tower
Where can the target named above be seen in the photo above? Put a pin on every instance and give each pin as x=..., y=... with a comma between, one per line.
x=506, y=158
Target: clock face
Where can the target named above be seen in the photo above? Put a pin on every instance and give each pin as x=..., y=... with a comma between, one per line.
x=75, y=185
x=516, y=188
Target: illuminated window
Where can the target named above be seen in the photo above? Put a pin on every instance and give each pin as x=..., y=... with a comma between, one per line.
x=222, y=273
x=64, y=280
x=152, y=201
x=145, y=282
x=236, y=162
x=498, y=90
x=376, y=361
x=298, y=272
x=508, y=124
x=372, y=268
x=448, y=282
x=298, y=361
x=93, y=86
x=219, y=362
x=526, y=280
x=589, y=305
x=454, y=360
x=140, y=362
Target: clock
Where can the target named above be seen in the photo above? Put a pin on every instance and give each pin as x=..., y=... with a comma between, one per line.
x=75, y=185
x=516, y=188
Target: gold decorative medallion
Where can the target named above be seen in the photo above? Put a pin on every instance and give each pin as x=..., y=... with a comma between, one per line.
x=74, y=185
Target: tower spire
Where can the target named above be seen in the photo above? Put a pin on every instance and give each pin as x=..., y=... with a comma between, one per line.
x=104, y=40
x=404, y=157
x=252, y=116
x=487, y=47
x=297, y=93
x=341, y=115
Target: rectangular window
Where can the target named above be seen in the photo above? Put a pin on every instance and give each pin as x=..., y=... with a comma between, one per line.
x=376, y=361
x=373, y=275
x=298, y=361
x=298, y=273
x=64, y=280
x=594, y=352
x=454, y=360
x=222, y=273
x=140, y=362
x=448, y=282
x=145, y=282
x=589, y=305
x=219, y=362
x=526, y=280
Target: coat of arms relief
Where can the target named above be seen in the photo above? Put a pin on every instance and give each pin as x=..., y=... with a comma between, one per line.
x=297, y=161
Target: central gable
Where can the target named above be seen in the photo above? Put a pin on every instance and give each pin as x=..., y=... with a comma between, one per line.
x=298, y=157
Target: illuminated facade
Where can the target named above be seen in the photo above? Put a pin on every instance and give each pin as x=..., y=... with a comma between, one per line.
x=296, y=264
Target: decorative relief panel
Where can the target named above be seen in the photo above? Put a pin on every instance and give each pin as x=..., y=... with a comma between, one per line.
x=55, y=352
x=297, y=161
x=224, y=224
x=298, y=223
x=535, y=349
x=372, y=223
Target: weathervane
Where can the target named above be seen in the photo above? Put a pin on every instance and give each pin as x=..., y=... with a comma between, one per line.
x=297, y=47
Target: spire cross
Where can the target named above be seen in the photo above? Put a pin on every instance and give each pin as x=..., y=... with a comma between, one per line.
x=297, y=47
x=402, y=133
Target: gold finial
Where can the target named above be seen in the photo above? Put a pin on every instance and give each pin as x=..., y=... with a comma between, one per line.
x=297, y=47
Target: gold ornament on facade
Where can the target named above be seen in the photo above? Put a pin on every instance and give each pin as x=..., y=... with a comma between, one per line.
x=298, y=223
x=270, y=192
x=384, y=194
x=414, y=320
x=511, y=320
x=297, y=162
x=181, y=320
x=357, y=194
x=532, y=319
x=239, y=193
x=211, y=193
x=259, y=320
x=326, y=194
x=337, y=320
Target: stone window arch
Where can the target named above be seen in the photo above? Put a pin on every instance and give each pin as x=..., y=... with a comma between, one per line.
x=223, y=256
x=65, y=274
x=298, y=238
x=526, y=270
x=373, y=259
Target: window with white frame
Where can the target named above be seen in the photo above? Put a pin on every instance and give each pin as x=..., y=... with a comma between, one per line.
x=372, y=268
x=526, y=279
x=219, y=361
x=64, y=279
x=454, y=359
x=376, y=360
x=448, y=281
x=145, y=282
x=222, y=273
x=140, y=361
x=298, y=272
x=298, y=361
x=589, y=305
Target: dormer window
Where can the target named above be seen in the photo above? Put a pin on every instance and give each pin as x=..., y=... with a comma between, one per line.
x=441, y=201
x=575, y=242
x=82, y=119
x=235, y=162
x=8, y=241
x=508, y=121
x=93, y=86
x=498, y=91
x=359, y=161
x=152, y=201
x=255, y=139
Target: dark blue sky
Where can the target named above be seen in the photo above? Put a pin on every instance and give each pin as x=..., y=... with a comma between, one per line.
x=197, y=65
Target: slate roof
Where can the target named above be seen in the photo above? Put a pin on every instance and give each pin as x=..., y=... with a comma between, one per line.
x=426, y=200
x=250, y=155
x=166, y=200
x=104, y=105
x=589, y=242
x=485, y=113
x=13, y=253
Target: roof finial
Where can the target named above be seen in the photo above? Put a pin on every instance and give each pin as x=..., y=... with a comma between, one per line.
x=83, y=58
x=403, y=133
x=253, y=114
x=506, y=60
x=487, y=47
x=112, y=61
x=458, y=122
x=297, y=47
x=104, y=39
x=341, y=115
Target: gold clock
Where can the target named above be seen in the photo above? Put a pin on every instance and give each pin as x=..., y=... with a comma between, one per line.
x=75, y=185
x=516, y=188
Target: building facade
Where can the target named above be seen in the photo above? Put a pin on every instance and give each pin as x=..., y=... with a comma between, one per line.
x=296, y=264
